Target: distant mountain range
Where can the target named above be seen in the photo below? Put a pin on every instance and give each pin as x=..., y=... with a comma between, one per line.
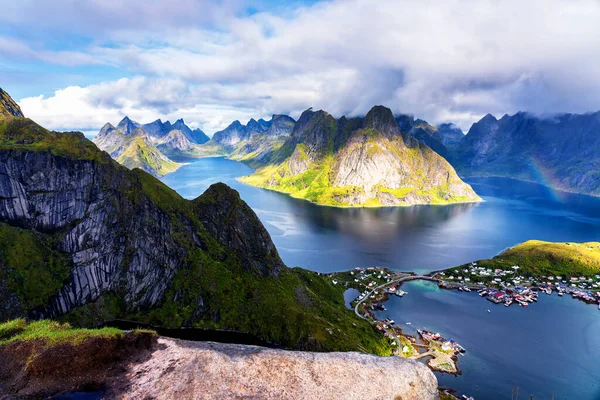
x=153, y=147
x=562, y=151
x=235, y=133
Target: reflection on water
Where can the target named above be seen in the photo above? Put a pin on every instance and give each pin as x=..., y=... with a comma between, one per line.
x=419, y=238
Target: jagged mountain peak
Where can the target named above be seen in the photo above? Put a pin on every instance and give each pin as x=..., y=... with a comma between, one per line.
x=127, y=126
x=225, y=215
x=488, y=118
x=382, y=119
x=8, y=107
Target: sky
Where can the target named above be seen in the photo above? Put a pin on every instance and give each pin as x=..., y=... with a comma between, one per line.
x=75, y=65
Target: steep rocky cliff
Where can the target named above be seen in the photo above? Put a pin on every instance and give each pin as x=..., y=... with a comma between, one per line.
x=562, y=151
x=86, y=240
x=8, y=107
x=357, y=162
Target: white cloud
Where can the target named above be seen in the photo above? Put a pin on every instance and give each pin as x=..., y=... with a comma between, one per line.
x=440, y=60
x=143, y=100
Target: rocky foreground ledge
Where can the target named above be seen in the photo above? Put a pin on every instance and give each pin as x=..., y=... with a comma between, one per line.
x=43, y=359
x=180, y=369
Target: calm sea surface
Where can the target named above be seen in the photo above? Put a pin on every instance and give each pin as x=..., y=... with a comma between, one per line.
x=550, y=347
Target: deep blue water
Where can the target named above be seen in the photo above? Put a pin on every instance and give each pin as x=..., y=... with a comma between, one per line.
x=550, y=347
x=419, y=238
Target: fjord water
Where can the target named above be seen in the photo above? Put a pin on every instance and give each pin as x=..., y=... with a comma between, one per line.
x=418, y=238
x=551, y=347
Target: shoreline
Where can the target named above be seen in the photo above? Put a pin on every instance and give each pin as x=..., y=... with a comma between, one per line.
x=240, y=179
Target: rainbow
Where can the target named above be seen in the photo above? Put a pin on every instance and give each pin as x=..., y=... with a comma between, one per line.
x=543, y=176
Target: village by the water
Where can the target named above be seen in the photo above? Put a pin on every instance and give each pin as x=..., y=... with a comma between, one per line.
x=501, y=287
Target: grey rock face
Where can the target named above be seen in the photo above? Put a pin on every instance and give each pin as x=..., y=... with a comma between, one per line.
x=281, y=126
x=231, y=135
x=8, y=107
x=198, y=370
x=127, y=126
x=110, y=249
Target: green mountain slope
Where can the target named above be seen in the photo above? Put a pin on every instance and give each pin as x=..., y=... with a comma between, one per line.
x=358, y=162
x=537, y=258
x=86, y=240
x=134, y=149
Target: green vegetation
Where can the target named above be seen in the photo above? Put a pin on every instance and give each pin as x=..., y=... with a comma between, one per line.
x=50, y=333
x=29, y=267
x=317, y=182
x=139, y=154
x=23, y=134
x=535, y=259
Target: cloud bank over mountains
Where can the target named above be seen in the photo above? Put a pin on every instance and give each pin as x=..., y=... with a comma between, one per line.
x=213, y=62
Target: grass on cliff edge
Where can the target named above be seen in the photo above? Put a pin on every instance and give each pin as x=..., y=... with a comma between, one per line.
x=51, y=333
x=538, y=258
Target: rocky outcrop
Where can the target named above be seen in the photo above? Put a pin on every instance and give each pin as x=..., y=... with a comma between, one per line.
x=206, y=370
x=562, y=151
x=357, y=161
x=236, y=226
x=8, y=107
x=280, y=126
x=232, y=135
x=47, y=193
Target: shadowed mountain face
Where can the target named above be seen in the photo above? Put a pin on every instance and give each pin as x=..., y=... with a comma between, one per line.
x=359, y=161
x=255, y=131
x=442, y=138
x=563, y=151
x=85, y=239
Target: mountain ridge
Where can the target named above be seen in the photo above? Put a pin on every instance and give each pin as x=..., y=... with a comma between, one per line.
x=359, y=162
x=562, y=151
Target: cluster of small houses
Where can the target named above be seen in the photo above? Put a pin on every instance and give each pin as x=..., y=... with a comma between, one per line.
x=366, y=276
x=446, y=344
x=512, y=287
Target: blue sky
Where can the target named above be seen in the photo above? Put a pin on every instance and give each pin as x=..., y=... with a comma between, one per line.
x=76, y=65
